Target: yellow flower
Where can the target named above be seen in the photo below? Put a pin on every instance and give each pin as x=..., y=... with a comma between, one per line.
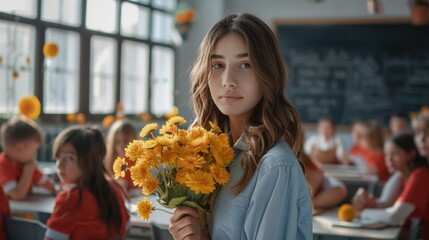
x=168, y=156
x=174, y=112
x=144, y=208
x=139, y=174
x=151, y=143
x=176, y=120
x=180, y=176
x=149, y=128
x=168, y=129
x=191, y=161
x=220, y=174
x=215, y=127
x=165, y=140
x=119, y=167
x=200, y=144
x=134, y=150
x=196, y=132
x=149, y=186
x=200, y=182
x=29, y=107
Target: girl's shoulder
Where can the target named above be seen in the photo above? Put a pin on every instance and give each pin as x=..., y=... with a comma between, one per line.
x=421, y=172
x=280, y=155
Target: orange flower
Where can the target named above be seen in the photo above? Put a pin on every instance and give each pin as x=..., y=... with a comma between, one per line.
x=71, y=117
x=108, y=120
x=144, y=208
x=29, y=107
x=200, y=182
x=80, y=118
x=185, y=16
x=50, y=50
x=15, y=75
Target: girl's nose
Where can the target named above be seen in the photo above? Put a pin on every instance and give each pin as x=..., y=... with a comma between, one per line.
x=229, y=78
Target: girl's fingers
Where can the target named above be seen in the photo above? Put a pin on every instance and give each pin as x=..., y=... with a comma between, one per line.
x=180, y=212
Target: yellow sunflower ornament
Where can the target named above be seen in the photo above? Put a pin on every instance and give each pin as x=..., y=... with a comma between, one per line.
x=29, y=106
x=190, y=165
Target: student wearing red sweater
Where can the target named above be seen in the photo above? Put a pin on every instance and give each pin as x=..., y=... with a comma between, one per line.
x=91, y=203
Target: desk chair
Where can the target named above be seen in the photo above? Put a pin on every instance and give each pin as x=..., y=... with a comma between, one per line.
x=24, y=229
x=416, y=230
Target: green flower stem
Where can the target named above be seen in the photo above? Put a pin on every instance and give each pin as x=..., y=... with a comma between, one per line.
x=163, y=210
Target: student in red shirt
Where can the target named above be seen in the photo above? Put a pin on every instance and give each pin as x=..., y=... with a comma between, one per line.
x=414, y=199
x=120, y=134
x=91, y=205
x=4, y=212
x=20, y=139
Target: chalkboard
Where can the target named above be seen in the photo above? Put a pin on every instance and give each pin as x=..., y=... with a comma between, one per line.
x=350, y=71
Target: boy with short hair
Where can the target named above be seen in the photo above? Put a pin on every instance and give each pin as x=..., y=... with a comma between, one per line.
x=20, y=139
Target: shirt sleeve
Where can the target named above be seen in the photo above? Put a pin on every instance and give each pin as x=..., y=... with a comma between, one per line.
x=7, y=178
x=62, y=220
x=414, y=187
x=277, y=206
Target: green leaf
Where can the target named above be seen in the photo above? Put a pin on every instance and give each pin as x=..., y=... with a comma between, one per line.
x=196, y=206
x=174, y=202
x=164, y=195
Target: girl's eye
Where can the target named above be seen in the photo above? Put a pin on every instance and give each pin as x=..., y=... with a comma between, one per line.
x=245, y=65
x=217, y=66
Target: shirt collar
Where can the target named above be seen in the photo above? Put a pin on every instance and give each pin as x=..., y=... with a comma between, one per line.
x=241, y=143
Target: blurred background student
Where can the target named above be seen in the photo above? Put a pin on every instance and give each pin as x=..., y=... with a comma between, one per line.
x=325, y=146
x=370, y=150
x=4, y=212
x=397, y=123
x=20, y=139
x=91, y=205
x=120, y=134
x=401, y=158
x=414, y=199
x=326, y=191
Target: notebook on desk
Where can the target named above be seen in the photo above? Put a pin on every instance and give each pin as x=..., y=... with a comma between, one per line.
x=359, y=224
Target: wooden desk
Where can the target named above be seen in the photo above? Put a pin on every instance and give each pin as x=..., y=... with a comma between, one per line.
x=323, y=229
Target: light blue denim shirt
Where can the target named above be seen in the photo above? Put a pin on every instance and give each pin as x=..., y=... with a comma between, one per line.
x=276, y=203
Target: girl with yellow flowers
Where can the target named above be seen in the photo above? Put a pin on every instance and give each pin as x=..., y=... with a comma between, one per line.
x=238, y=83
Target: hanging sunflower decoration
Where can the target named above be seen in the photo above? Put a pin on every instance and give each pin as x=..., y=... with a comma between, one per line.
x=50, y=50
x=30, y=107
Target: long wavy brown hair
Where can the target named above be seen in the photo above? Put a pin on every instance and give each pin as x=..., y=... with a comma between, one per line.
x=274, y=117
x=91, y=149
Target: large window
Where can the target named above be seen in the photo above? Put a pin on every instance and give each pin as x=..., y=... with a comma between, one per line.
x=17, y=50
x=122, y=53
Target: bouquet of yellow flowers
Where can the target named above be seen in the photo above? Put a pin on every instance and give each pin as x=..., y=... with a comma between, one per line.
x=182, y=167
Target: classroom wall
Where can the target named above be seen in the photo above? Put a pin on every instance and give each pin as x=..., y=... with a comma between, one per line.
x=209, y=11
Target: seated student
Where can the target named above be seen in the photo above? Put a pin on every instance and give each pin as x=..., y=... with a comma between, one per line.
x=20, y=139
x=120, y=134
x=414, y=199
x=90, y=198
x=324, y=146
x=326, y=191
x=401, y=156
x=371, y=151
x=4, y=212
x=397, y=124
